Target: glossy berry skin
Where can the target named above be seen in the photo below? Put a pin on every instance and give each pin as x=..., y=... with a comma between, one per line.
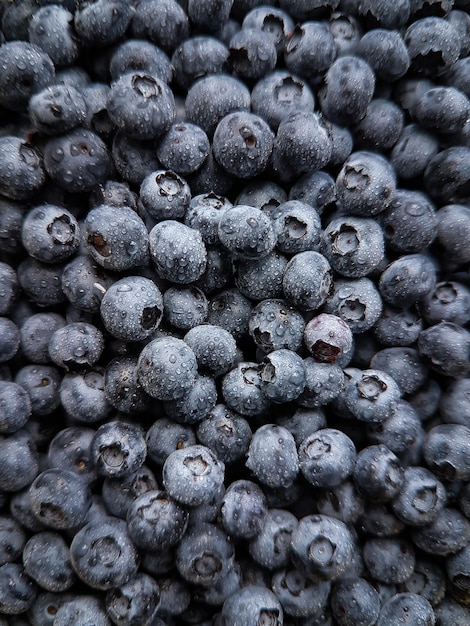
x=76, y=345
x=196, y=404
x=389, y=560
x=103, y=554
x=178, y=252
x=50, y=234
x=432, y=44
x=282, y=374
x=198, y=56
x=252, y=605
x=386, y=53
x=164, y=195
x=297, y=227
x=167, y=368
x=84, y=283
x=420, y=498
x=347, y=104
x=226, y=433
x=82, y=396
x=354, y=246
x=51, y=29
x=118, y=449
x=205, y=555
x=322, y=546
x=329, y=339
x=132, y=308
x=243, y=509
x=78, y=160
x=327, y=457
x=115, y=237
x=230, y=310
x=70, y=449
x=246, y=232
x=272, y=456
x=57, y=109
x=20, y=461
x=25, y=70
x=155, y=521
x=406, y=606
x=122, y=388
x=412, y=151
x=446, y=534
x=165, y=436
x=407, y=280
x=142, y=105
x=215, y=348
x=260, y=279
x=270, y=547
x=252, y=54
x=192, y=475
x=15, y=407
x=446, y=347
x=46, y=560
x=82, y=608
x=204, y=213
x=141, y=597
x=242, y=389
x=372, y=396
x=183, y=148
x=164, y=23
x=102, y=22
x=17, y=590
x=12, y=539
x=119, y=493
x=22, y=172
x=378, y=473
x=355, y=600
x=356, y=302
x=42, y=384
x=449, y=301
x=444, y=451
x=60, y=499
x=307, y=280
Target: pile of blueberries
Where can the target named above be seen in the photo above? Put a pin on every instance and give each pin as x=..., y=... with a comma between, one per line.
x=234, y=308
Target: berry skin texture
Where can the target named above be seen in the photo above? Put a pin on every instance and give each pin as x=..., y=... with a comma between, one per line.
x=327, y=457
x=329, y=339
x=167, y=368
x=307, y=280
x=272, y=456
x=246, y=232
x=252, y=605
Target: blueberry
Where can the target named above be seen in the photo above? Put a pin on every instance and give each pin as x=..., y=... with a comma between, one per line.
x=260, y=279
x=77, y=160
x=165, y=436
x=82, y=609
x=25, y=70
x=433, y=45
x=183, y=148
x=348, y=89
x=21, y=168
x=372, y=395
x=445, y=346
x=70, y=449
x=50, y=234
x=407, y=280
x=119, y=493
x=196, y=404
x=420, y=498
x=398, y=327
x=323, y=383
x=242, y=389
x=225, y=94
x=163, y=23
x=18, y=591
x=449, y=612
x=155, y=521
x=389, y=559
x=175, y=596
x=444, y=451
x=327, y=457
x=453, y=225
x=15, y=407
x=178, y=252
x=42, y=384
x=302, y=144
x=166, y=368
x=215, y=348
x=57, y=109
x=270, y=547
x=449, y=301
x=205, y=555
x=252, y=605
x=322, y=546
x=192, y=475
x=226, y=433
x=134, y=159
x=272, y=456
x=249, y=150
x=354, y=600
x=133, y=602
x=20, y=461
x=41, y=282
x=274, y=325
x=307, y=280
x=76, y=345
x=299, y=596
x=386, y=53
x=230, y=310
x=122, y=388
x=197, y=57
x=243, y=510
x=273, y=21
x=297, y=227
x=102, y=22
x=406, y=606
x=84, y=282
x=354, y=246
x=412, y=152
x=103, y=555
x=46, y=560
x=12, y=539
x=329, y=339
x=356, y=302
x=117, y=449
x=204, y=214
x=60, y=499
x=278, y=95
x=378, y=473
x=428, y=581
x=282, y=375
x=140, y=55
